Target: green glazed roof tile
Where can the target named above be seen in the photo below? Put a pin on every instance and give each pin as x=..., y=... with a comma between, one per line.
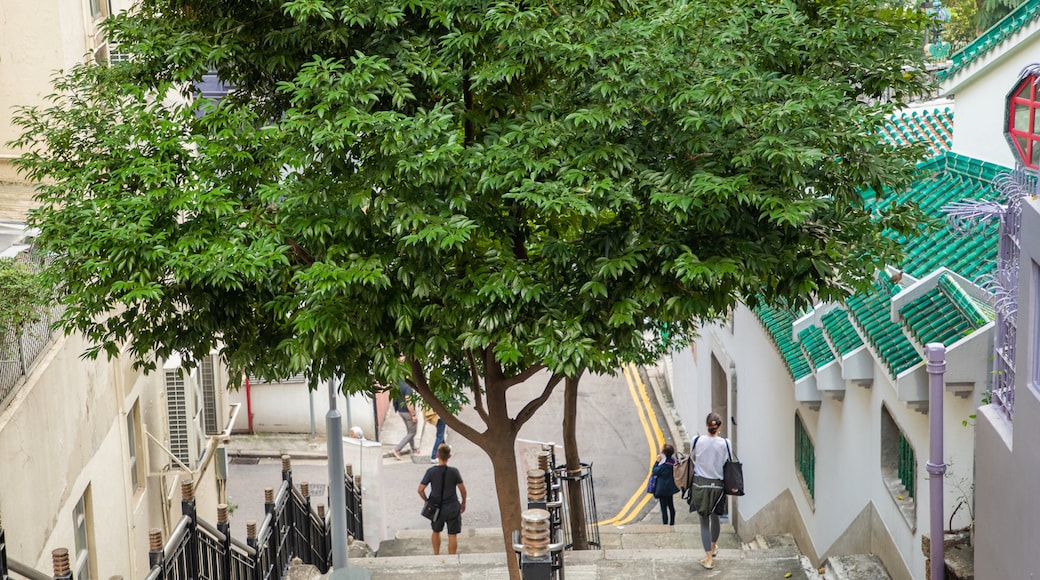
x=843, y=335
x=870, y=311
x=976, y=312
x=778, y=323
x=953, y=178
x=949, y=177
x=934, y=318
x=1020, y=17
x=932, y=127
x=815, y=347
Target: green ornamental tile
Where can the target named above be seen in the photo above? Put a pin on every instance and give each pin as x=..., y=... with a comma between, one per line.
x=839, y=329
x=815, y=348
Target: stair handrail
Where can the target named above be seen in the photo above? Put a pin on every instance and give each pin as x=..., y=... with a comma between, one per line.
x=26, y=571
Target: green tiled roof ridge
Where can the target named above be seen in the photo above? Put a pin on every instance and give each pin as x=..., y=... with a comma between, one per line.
x=964, y=165
x=935, y=317
x=866, y=313
x=968, y=305
x=1019, y=18
x=869, y=312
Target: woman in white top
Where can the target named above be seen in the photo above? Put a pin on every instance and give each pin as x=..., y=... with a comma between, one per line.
x=709, y=455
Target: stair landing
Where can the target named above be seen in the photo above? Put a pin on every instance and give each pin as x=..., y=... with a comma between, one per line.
x=653, y=552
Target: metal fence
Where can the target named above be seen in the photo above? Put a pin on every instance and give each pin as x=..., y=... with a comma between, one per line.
x=292, y=528
x=20, y=347
x=197, y=550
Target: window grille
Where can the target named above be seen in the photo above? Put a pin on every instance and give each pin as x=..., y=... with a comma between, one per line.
x=907, y=469
x=805, y=456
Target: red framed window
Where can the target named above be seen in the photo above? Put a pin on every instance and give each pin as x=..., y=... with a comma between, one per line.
x=1023, y=127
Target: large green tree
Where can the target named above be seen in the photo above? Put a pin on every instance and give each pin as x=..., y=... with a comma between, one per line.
x=499, y=186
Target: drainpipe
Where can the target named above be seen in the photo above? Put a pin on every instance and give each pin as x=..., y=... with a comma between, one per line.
x=935, y=353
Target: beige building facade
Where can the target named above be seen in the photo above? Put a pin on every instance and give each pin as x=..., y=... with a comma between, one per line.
x=36, y=40
x=92, y=452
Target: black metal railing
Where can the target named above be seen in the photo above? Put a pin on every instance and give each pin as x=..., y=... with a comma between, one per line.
x=582, y=480
x=197, y=550
x=292, y=528
x=355, y=511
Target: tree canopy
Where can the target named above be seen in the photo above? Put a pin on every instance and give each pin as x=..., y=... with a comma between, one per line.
x=500, y=186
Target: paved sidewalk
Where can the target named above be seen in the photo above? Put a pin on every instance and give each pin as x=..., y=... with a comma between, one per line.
x=303, y=446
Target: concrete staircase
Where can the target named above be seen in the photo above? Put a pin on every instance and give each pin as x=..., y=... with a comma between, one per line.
x=649, y=551
x=851, y=567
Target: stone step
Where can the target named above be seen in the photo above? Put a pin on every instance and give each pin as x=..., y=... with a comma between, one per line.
x=773, y=542
x=632, y=537
x=855, y=567
x=650, y=551
x=595, y=565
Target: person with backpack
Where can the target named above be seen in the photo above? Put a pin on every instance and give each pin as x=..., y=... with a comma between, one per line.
x=665, y=488
x=709, y=454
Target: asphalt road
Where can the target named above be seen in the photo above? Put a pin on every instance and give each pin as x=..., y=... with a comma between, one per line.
x=615, y=433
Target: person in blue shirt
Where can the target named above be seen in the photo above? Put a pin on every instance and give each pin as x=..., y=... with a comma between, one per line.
x=665, y=489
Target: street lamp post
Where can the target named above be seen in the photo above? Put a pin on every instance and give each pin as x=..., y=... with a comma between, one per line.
x=338, y=494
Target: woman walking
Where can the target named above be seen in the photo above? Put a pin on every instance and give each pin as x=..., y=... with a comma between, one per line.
x=665, y=489
x=709, y=455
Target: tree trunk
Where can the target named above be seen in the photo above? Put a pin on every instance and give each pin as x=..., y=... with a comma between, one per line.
x=501, y=448
x=575, y=501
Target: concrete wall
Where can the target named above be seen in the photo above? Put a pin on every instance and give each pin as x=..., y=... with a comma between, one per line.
x=64, y=435
x=286, y=408
x=847, y=439
x=1007, y=520
x=37, y=39
x=980, y=91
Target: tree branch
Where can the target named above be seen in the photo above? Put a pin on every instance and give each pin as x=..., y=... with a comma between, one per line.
x=474, y=376
x=299, y=251
x=522, y=376
x=422, y=386
x=529, y=409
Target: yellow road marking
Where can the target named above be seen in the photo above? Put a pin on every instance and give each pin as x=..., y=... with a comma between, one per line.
x=654, y=439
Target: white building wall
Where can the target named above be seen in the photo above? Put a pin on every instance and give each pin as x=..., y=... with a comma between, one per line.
x=980, y=92
x=1007, y=456
x=847, y=440
x=65, y=432
x=37, y=39
x=286, y=408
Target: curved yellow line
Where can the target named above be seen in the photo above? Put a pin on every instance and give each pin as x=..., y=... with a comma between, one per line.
x=639, y=492
x=652, y=430
x=658, y=436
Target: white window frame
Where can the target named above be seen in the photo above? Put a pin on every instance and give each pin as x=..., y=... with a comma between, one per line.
x=82, y=528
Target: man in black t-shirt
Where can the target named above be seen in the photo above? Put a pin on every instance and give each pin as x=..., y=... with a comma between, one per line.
x=451, y=506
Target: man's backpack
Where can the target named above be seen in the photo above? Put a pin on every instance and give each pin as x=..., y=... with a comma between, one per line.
x=683, y=469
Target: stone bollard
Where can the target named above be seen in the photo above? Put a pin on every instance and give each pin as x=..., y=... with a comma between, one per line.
x=536, y=489
x=155, y=547
x=60, y=562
